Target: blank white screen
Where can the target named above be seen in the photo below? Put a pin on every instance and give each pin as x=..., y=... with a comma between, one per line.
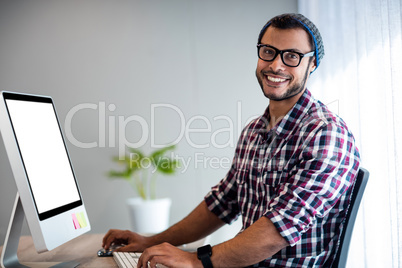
x=44, y=154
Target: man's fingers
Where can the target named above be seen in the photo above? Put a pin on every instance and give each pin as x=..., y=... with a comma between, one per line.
x=113, y=236
x=107, y=240
x=156, y=260
x=159, y=254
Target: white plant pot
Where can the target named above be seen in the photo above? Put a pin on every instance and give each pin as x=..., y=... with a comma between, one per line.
x=149, y=216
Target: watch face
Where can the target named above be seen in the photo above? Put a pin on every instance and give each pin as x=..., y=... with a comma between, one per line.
x=204, y=251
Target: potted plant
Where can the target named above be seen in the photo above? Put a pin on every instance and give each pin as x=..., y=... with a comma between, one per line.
x=148, y=214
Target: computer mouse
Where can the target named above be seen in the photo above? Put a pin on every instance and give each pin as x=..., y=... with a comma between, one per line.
x=107, y=253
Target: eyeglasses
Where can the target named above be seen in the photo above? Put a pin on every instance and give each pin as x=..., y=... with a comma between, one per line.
x=289, y=57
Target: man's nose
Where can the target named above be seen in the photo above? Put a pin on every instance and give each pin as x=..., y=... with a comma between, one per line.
x=277, y=63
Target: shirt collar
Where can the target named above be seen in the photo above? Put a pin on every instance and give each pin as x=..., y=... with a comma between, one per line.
x=291, y=119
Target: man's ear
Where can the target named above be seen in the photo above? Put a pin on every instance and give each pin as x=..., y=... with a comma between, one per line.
x=313, y=65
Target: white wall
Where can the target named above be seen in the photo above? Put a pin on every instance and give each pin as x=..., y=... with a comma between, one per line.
x=198, y=56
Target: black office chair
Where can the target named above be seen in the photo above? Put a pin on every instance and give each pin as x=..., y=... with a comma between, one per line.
x=357, y=194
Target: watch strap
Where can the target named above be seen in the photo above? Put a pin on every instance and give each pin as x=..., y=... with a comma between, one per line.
x=204, y=254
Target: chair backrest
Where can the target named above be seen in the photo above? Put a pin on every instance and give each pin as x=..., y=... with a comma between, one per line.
x=357, y=194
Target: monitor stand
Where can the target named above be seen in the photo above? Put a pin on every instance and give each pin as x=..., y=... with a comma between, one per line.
x=9, y=256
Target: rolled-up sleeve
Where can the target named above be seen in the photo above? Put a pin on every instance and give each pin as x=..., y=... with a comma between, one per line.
x=222, y=199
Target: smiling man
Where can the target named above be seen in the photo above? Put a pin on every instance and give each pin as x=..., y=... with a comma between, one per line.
x=291, y=177
x=278, y=82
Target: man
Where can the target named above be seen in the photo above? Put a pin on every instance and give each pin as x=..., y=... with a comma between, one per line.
x=291, y=177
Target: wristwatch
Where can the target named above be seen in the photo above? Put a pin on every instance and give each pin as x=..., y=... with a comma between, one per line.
x=204, y=254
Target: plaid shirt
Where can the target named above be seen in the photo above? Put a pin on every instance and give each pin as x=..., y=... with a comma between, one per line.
x=299, y=175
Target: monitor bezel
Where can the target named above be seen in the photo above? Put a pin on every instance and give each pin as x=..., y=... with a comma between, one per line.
x=42, y=99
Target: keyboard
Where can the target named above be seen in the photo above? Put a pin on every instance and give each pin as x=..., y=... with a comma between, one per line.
x=126, y=259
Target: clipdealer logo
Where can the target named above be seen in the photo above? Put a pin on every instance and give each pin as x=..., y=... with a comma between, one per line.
x=112, y=131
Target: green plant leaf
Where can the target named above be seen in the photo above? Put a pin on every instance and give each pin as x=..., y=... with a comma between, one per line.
x=137, y=168
x=163, y=164
x=120, y=174
x=167, y=166
x=134, y=160
x=159, y=153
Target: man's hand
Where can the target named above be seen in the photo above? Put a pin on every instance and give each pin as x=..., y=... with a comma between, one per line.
x=169, y=256
x=133, y=241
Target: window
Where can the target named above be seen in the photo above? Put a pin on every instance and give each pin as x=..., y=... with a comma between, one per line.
x=361, y=79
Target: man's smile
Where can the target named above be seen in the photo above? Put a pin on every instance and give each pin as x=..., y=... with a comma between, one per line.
x=275, y=79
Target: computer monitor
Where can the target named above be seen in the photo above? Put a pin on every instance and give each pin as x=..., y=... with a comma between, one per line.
x=47, y=187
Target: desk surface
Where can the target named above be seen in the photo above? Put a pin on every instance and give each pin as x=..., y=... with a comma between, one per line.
x=83, y=249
